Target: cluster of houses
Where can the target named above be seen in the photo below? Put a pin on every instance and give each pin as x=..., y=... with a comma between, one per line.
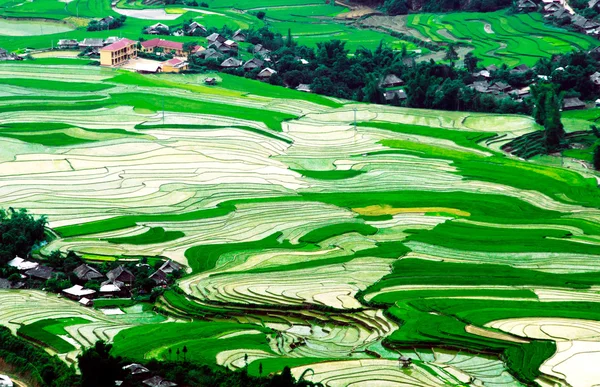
x=500, y=89
x=556, y=10
x=192, y=29
x=5, y=55
x=391, y=84
x=140, y=373
x=117, y=282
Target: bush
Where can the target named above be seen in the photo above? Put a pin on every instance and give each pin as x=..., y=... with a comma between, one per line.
x=261, y=15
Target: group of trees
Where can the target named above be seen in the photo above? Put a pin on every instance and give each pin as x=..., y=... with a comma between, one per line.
x=99, y=369
x=109, y=23
x=34, y=363
x=547, y=114
x=402, y=7
x=332, y=71
x=19, y=233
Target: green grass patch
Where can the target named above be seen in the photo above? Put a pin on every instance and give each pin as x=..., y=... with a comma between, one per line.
x=151, y=236
x=47, y=332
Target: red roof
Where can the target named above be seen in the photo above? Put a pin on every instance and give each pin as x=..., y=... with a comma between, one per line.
x=174, y=62
x=162, y=43
x=118, y=45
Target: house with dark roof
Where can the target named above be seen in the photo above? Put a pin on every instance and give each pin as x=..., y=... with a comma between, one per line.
x=231, y=63
x=595, y=78
x=41, y=272
x=520, y=69
x=91, y=43
x=499, y=87
x=573, y=104
x=159, y=277
x=85, y=272
x=136, y=370
x=526, y=5
x=266, y=74
x=120, y=274
x=391, y=95
x=209, y=53
x=66, y=44
x=551, y=8
x=253, y=63
x=239, y=36
x=157, y=381
x=261, y=50
x=195, y=29
x=158, y=29
x=215, y=38
x=304, y=88
x=390, y=80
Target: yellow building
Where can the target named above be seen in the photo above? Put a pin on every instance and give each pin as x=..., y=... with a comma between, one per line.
x=174, y=65
x=118, y=53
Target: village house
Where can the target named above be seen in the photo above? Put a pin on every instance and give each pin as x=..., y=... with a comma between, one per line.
x=266, y=74
x=40, y=272
x=91, y=43
x=561, y=15
x=86, y=302
x=106, y=20
x=499, y=87
x=113, y=290
x=253, y=63
x=520, y=69
x=215, y=38
x=389, y=96
x=526, y=6
x=231, y=63
x=111, y=40
x=239, y=36
x=157, y=381
x=120, y=274
x=174, y=65
x=159, y=277
x=21, y=264
x=260, y=50
x=136, y=370
x=209, y=53
x=390, y=80
x=77, y=292
x=85, y=272
x=158, y=29
x=304, y=88
x=584, y=25
x=167, y=46
x=210, y=81
x=118, y=53
x=595, y=78
x=195, y=29
x=481, y=75
x=68, y=44
x=5, y=381
x=573, y=104
x=551, y=8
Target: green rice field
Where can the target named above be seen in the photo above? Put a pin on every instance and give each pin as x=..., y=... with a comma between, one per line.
x=308, y=241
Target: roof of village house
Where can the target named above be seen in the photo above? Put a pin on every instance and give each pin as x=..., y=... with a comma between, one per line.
x=41, y=272
x=110, y=288
x=117, y=272
x=159, y=276
x=79, y=291
x=231, y=62
x=5, y=381
x=119, y=45
x=253, y=63
x=92, y=42
x=136, y=369
x=500, y=86
x=175, y=62
x=68, y=41
x=238, y=33
x=156, y=42
x=526, y=4
x=209, y=53
x=22, y=264
x=304, y=87
x=215, y=37
x=267, y=72
x=390, y=95
x=259, y=48
x=390, y=79
x=170, y=266
x=157, y=381
x=573, y=102
x=593, y=3
x=230, y=43
x=86, y=272
x=159, y=25
x=595, y=77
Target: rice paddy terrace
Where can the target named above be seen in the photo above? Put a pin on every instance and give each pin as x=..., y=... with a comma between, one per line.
x=311, y=240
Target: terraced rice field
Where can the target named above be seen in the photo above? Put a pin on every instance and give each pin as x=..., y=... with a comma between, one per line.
x=300, y=229
x=498, y=37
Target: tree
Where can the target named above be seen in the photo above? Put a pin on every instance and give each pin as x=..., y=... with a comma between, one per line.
x=246, y=359
x=451, y=53
x=170, y=352
x=597, y=158
x=261, y=15
x=188, y=47
x=260, y=369
x=595, y=130
x=471, y=61
x=185, y=351
x=177, y=353
x=554, y=132
x=98, y=367
x=395, y=7
x=289, y=42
